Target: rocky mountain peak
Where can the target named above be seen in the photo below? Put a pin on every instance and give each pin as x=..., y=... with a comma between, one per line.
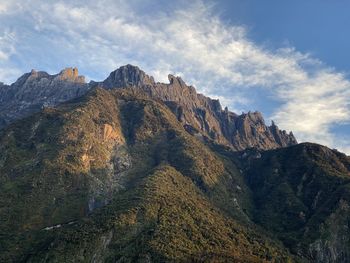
x=203, y=114
x=127, y=76
x=174, y=80
x=195, y=111
x=34, y=76
x=255, y=117
x=33, y=72
x=37, y=89
x=70, y=74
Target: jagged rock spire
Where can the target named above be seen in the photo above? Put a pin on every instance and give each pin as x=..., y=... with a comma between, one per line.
x=205, y=115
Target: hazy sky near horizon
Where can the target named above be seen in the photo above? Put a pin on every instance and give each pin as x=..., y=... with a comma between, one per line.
x=287, y=59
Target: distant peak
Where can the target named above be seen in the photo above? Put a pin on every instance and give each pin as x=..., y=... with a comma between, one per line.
x=67, y=74
x=130, y=67
x=127, y=76
x=71, y=74
x=255, y=116
x=176, y=80
x=171, y=78
x=33, y=74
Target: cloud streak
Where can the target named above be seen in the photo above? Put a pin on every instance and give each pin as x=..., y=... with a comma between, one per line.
x=189, y=40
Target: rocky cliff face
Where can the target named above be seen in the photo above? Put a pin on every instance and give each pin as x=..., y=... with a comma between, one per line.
x=203, y=115
x=136, y=174
x=115, y=177
x=199, y=114
x=127, y=76
x=37, y=89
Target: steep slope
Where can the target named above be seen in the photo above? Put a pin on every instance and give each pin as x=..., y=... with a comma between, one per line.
x=199, y=114
x=114, y=176
x=302, y=194
x=165, y=219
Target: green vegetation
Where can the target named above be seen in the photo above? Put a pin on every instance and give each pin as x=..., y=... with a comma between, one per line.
x=114, y=177
x=297, y=190
x=165, y=218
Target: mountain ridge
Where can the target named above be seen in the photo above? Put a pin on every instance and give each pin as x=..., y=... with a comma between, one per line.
x=116, y=175
x=200, y=114
x=116, y=161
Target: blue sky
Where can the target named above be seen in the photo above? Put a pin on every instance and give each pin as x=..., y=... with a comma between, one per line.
x=313, y=26
x=287, y=59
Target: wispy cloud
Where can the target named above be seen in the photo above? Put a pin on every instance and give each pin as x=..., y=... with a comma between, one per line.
x=7, y=49
x=5, y=6
x=220, y=59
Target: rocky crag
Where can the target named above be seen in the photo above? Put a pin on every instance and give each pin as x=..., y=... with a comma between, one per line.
x=198, y=113
x=38, y=89
x=130, y=170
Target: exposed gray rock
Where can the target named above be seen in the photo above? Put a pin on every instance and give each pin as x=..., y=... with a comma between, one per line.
x=333, y=246
x=38, y=89
x=101, y=247
x=112, y=179
x=127, y=76
x=199, y=114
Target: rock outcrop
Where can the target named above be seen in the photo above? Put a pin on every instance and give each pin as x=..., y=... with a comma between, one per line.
x=115, y=176
x=200, y=115
x=38, y=89
x=127, y=76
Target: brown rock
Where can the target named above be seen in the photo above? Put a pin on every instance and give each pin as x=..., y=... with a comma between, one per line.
x=108, y=133
x=202, y=113
x=195, y=111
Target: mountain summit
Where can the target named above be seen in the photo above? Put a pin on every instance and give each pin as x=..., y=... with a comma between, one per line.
x=38, y=89
x=199, y=114
x=132, y=170
x=127, y=76
x=129, y=170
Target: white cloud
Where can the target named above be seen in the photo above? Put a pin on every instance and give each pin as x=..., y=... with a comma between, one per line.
x=217, y=58
x=7, y=45
x=4, y=6
x=7, y=49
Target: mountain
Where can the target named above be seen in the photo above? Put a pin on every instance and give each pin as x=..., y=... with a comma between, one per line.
x=35, y=90
x=203, y=115
x=115, y=176
x=199, y=114
x=302, y=194
x=130, y=170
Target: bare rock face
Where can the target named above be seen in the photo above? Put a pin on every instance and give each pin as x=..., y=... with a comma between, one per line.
x=249, y=130
x=108, y=133
x=71, y=75
x=333, y=246
x=127, y=76
x=203, y=115
x=199, y=114
x=37, y=89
